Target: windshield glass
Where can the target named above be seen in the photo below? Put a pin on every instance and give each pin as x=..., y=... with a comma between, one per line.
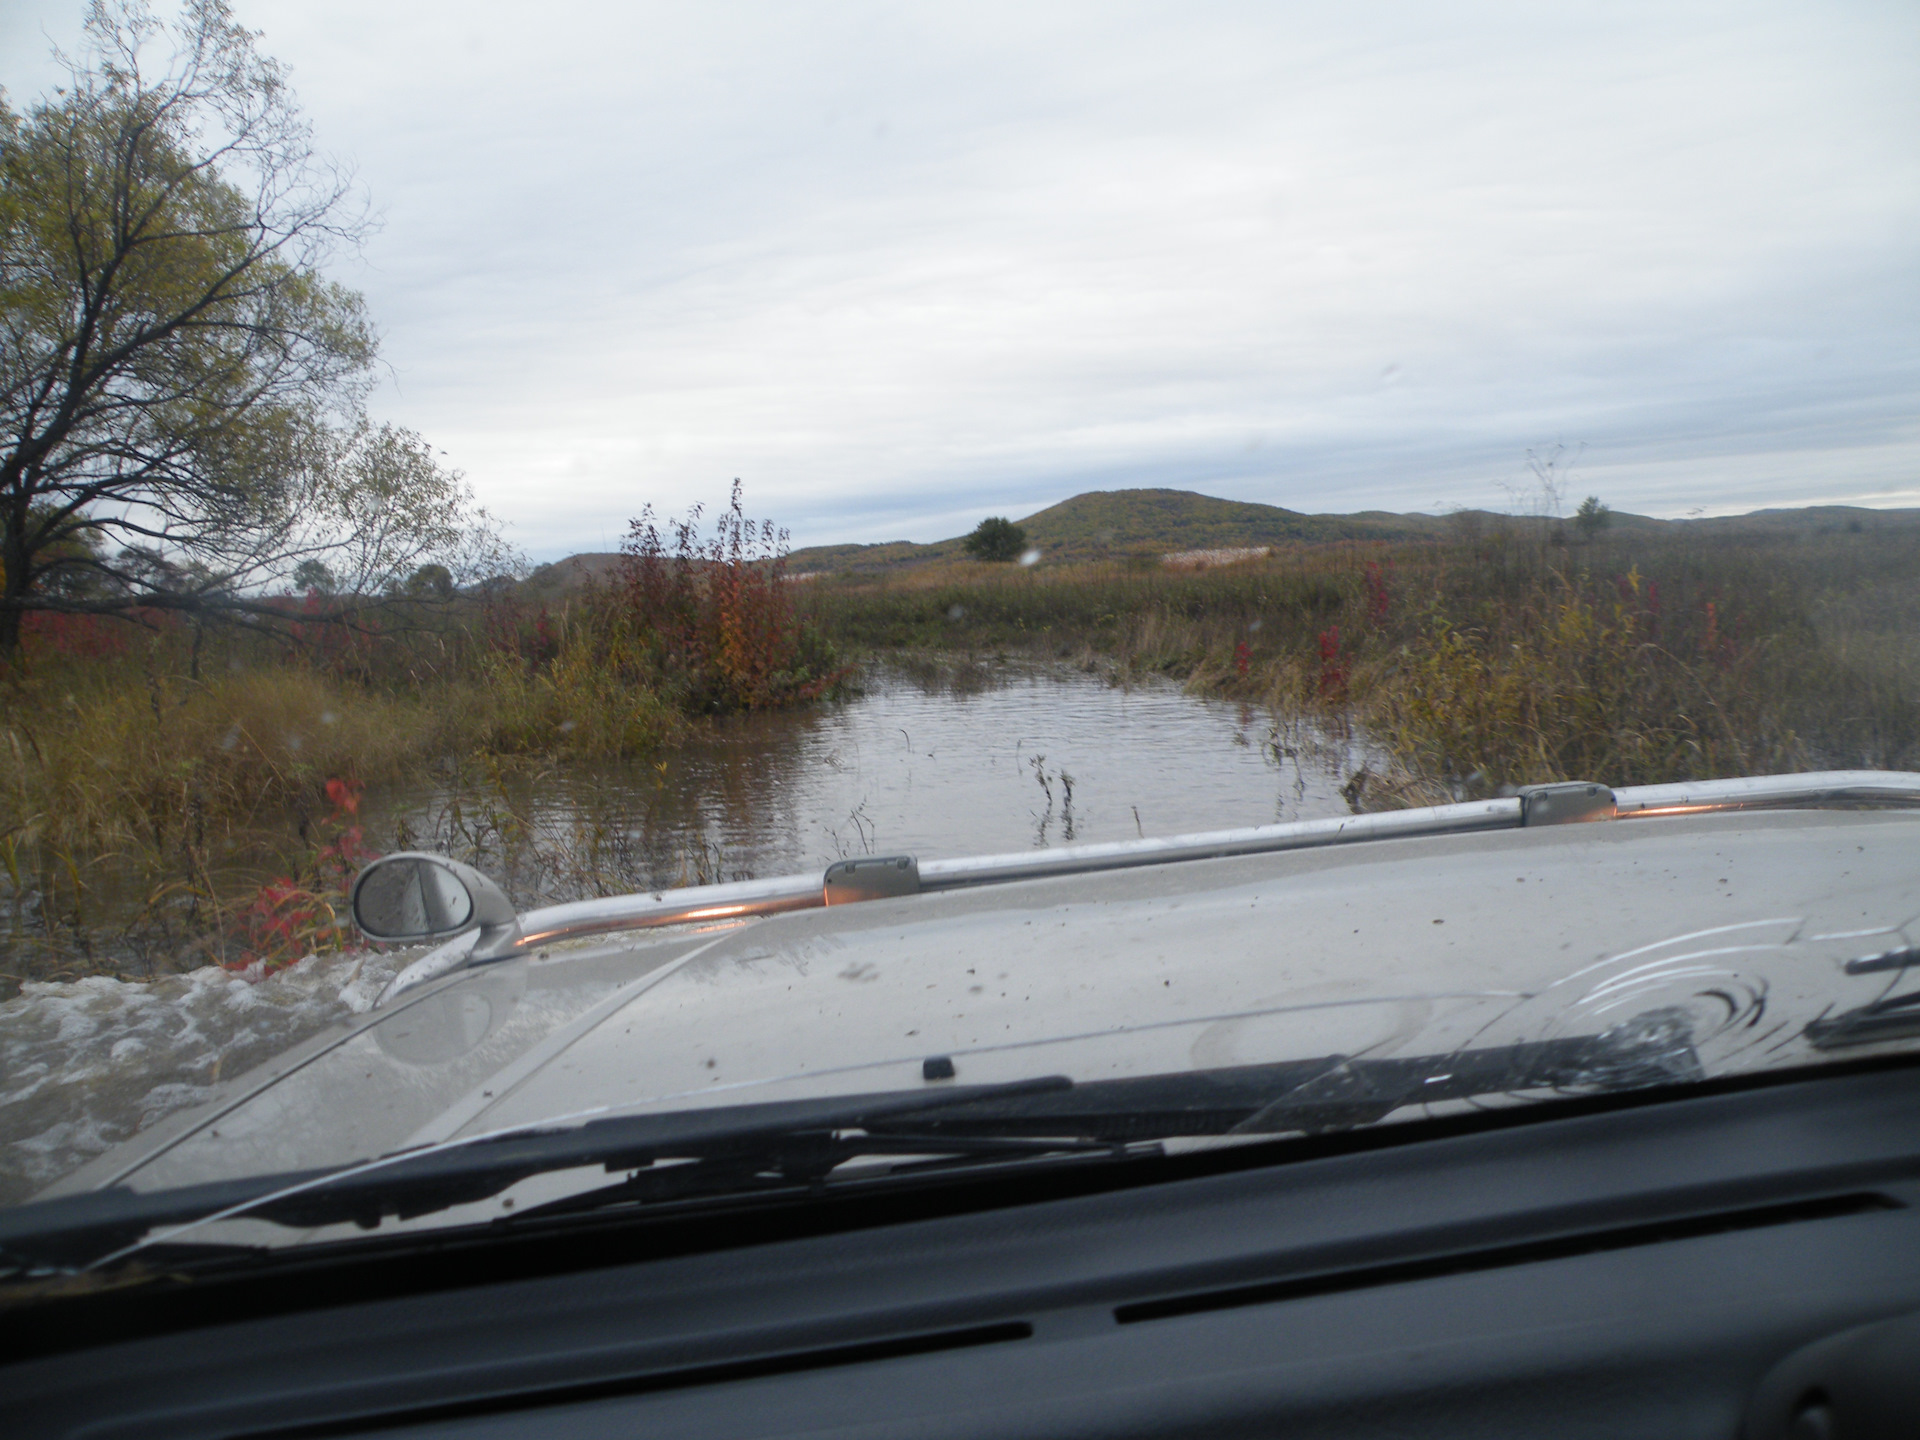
x=1257, y=533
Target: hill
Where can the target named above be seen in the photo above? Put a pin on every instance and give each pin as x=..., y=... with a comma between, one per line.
x=1106, y=520
x=1105, y=523
x=1117, y=522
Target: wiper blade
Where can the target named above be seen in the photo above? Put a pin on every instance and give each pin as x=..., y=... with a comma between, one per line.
x=805, y=1159
x=783, y=1144
x=1895, y=1019
x=1120, y=1119
x=1336, y=1092
x=77, y=1231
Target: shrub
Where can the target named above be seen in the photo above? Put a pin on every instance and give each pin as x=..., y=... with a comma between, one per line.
x=996, y=538
x=717, y=619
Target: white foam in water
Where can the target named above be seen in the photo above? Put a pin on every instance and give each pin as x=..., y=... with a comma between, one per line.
x=88, y=1063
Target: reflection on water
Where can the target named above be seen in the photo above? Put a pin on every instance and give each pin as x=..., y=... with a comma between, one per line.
x=928, y=763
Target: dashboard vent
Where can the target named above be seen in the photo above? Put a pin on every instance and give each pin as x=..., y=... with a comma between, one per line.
x=1559, y=1247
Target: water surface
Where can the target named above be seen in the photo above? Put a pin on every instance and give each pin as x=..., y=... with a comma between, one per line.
x=936, y=761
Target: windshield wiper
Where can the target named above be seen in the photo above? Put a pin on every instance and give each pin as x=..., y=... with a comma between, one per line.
x=75, y=1231
x=1121, y=1118
x=743, y=1149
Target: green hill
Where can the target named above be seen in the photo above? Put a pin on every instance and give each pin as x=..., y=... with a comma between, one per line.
x=1156, y=522
x=1116, y=522
x=1107, y=520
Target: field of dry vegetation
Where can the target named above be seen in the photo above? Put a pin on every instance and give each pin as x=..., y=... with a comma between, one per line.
x=169, y=798
x=1499, y=658
x=172, y=797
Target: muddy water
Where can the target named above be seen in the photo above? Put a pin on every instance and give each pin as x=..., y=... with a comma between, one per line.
x=935, y=761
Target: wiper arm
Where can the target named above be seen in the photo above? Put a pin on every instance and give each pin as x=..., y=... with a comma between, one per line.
x=780, y=1145
x=1336, y=1092
x=803, y=1159
x=1117, y=1118
x=77, y=1231
x=1894, y=1019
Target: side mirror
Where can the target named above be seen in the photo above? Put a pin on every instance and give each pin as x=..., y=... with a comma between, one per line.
x=412, y=897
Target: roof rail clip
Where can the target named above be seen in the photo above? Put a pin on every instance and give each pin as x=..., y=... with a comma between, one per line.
x=871, y=877
x=1568, y=803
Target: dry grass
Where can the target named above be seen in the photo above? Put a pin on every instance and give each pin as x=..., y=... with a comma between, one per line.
x=161, y=808
x=1495, y=660
x=168, y=796
x=147, y=791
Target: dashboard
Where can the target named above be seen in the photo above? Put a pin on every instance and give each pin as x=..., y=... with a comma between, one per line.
x=1738, y=1258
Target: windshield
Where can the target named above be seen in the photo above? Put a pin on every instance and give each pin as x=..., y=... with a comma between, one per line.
x=967, y=590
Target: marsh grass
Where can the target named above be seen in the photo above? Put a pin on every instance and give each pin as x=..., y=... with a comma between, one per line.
x=1491, y=660
x=169, y=797
x=545, y=854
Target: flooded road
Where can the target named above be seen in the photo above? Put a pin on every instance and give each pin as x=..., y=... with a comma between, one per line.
x=935, y=760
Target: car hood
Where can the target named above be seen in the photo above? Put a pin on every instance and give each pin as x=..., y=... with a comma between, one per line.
x=1745, y=923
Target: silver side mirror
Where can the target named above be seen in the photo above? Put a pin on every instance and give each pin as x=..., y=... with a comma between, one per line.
x=412, y=897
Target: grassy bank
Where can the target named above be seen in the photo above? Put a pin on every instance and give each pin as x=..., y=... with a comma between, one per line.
x=1488, y=660
x=170, y=798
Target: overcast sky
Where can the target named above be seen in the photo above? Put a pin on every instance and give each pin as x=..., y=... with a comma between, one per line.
x=901, y=266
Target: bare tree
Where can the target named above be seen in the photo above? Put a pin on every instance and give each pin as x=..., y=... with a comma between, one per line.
x=171, y=356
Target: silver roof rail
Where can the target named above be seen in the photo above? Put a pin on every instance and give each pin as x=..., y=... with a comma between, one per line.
x=876, y=877
x=1824, y=789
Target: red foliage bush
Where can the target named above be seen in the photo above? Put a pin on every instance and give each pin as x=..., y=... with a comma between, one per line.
x=719, y=617
x=290, y=916
x=86, y=637
x=1333, y=666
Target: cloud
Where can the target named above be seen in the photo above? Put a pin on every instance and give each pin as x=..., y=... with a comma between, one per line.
x=901, y=266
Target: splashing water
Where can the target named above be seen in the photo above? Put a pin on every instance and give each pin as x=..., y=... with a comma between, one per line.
x=88, y=1063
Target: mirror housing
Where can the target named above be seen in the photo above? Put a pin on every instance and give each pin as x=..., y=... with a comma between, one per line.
x=413, y=897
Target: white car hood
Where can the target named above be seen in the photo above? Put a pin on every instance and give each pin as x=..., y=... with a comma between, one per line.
x=1406, y=947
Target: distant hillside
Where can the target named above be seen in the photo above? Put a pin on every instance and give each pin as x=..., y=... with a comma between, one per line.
x=1106, y=520
x=571, y=573
x=1811, y=519
x=1110, y=522
x=1120, y=522
x=1157, y=522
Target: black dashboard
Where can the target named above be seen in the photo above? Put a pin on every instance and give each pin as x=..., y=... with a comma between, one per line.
x=1741, y=1259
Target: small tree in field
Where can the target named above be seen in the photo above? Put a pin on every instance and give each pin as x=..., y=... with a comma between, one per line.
x=996, y=538
x=316, y=576
x=1591, y=518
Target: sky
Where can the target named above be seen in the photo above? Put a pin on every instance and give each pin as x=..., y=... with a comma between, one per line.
x=900, y=266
